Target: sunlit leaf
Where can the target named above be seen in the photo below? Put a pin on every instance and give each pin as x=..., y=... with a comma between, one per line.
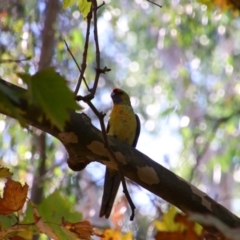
x=68, y=3
x=84, y=5
x=110, y=234
x=178, y=224
x=127, y=236
x=168, y=222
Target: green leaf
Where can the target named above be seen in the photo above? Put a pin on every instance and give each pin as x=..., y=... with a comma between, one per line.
x=68, y=3
x=7, y=221
x=48, y=90
x=84, y=6
x=51, y=210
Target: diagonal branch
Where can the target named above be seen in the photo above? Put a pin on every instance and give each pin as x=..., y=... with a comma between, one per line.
x=84, y=144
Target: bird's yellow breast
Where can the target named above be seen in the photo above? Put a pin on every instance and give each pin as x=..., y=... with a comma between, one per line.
x=123, y=123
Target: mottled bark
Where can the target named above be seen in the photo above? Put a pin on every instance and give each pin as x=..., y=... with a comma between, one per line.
x=84, y=144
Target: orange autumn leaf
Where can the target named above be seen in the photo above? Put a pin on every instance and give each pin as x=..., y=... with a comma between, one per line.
x=223, y=4
x=14, y=197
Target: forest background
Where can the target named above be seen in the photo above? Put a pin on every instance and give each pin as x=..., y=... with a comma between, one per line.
x=179, y=63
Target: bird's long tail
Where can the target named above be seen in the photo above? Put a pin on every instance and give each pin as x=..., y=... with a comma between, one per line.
x=110, y=189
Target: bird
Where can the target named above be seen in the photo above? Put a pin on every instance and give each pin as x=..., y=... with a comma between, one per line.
x=124, y=125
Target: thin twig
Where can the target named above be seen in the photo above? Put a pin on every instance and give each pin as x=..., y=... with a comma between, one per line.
x=154, y=3
x=84, y=60
x=15, y=60
x=95, y=33
x=70, y=52
x=74, y=59
x=103, y=3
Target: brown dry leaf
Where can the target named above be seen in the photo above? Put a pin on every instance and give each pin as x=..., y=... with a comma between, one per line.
x=82, y=230
x=180, y=218
x=5, y=173
x=177, y=236
x=42, y=227
x=14, y=197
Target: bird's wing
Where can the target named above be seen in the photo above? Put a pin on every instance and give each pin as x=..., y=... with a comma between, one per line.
x=134, y=144
x=113, y=179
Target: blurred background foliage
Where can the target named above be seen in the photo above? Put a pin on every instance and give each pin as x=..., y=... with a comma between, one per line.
x=179, y=63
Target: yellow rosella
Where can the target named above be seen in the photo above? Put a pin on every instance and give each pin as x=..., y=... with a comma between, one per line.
x=124, y=125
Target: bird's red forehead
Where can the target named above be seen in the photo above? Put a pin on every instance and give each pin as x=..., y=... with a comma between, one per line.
x=116, y=90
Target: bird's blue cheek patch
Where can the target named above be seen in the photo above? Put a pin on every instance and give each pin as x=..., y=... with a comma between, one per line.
x=116, y=99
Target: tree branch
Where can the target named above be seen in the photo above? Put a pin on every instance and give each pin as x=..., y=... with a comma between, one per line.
x=84, y=144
